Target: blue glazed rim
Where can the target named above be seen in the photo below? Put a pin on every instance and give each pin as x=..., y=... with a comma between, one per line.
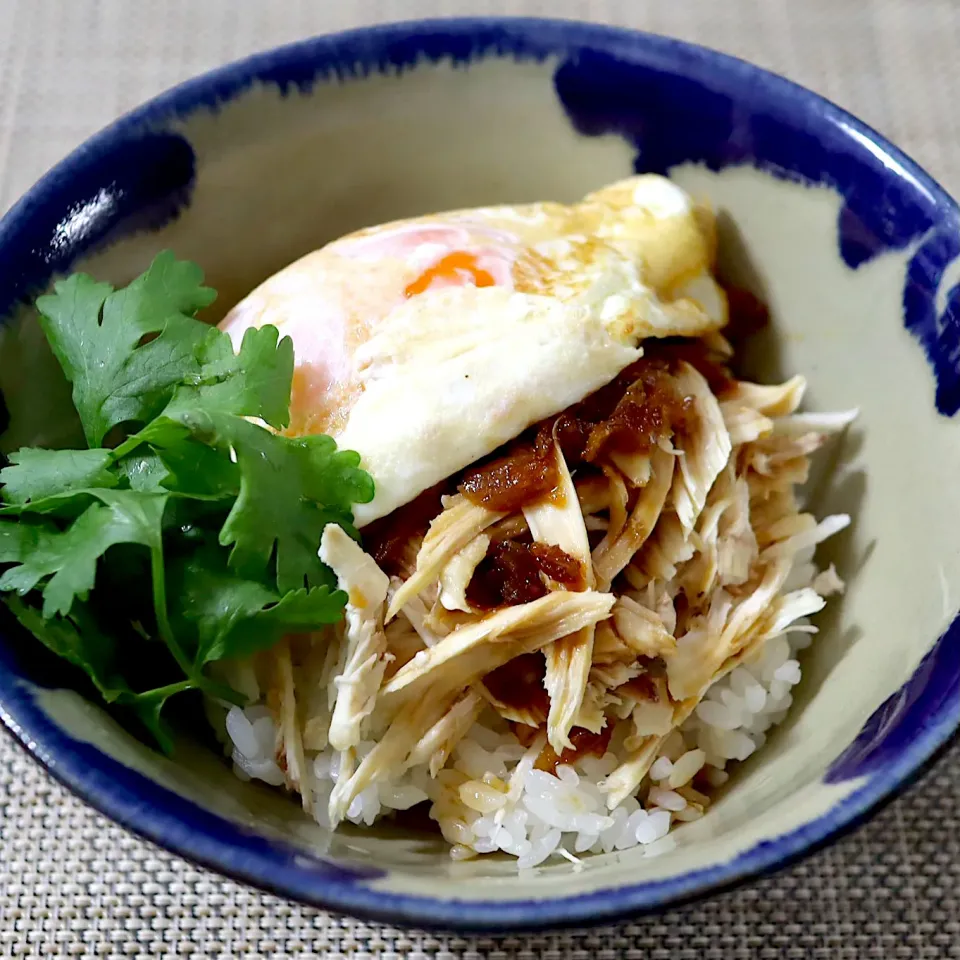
x=178, y=825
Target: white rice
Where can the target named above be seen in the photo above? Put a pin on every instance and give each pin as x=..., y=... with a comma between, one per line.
x=489, y=798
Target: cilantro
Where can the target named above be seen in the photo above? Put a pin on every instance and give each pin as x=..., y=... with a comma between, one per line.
x=144, y=469
x=252, y=383
x=79, y=640
x=69, y=557
x=235, y=617
x=119, y=375
x=290, y=489
x=197, y=531
x=97, y=333
x=93, y=651
x=198, y=471
x=36, y=474
x=167, y=454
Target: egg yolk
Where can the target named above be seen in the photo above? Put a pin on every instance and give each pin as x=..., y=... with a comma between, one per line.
x=455, y=268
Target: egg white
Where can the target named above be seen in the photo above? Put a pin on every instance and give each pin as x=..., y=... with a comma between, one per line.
x=421, y=386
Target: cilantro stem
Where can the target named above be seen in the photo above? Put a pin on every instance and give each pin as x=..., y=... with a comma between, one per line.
x=195, y=676
x=128, y=446
x=159, y=581
x=220, y=691
x=161, y=693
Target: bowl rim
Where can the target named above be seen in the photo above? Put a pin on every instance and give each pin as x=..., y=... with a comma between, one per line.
x=216, y=843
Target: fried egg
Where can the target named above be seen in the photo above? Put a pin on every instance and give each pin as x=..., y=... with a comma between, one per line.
x=425, y=344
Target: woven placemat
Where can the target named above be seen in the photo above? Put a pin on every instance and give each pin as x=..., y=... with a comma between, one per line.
x=71, y=884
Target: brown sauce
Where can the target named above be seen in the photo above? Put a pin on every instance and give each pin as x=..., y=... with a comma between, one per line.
x=585, y=743
x=650, y=410
x=639, y=408
x=558, y=565
x=635, y=411
x=747, y=313
x=519, y=684
x=510, y=574
x=386, y=539
x=508, y=483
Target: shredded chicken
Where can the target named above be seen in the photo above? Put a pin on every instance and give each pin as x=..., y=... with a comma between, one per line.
x=776, y=400
x=702, y=650
x=388, y=757
x=610, y=557
x=626, y=779
x=737, y=547
x=807, y=538
x=317, y=665
x=439, y=741
x=823, y=423
x=456, y=526
x=674, y=562
x=473, y=650
x=658, y=559
x=651, y=718
x=281, y=697
x=403, y=644
x=636, y=467
x=469, y=652
x=744, y=424
x=593, y=492
x=827, y=583
x=417, y=614
x=363, y=652
x=641, y=629
x=705, y=451
x=456, y=575
x=558, y=521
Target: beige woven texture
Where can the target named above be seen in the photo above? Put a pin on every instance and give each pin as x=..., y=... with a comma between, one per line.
x=71, y=884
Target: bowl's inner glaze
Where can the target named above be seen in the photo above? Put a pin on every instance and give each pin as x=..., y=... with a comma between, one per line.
x=277, y=175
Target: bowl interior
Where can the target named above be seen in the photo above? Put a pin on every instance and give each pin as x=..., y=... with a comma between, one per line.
x=248, y=172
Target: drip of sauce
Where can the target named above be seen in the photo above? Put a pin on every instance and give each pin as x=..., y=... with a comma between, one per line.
x=459, y=267
x=508, y=575
x=748, y=314
x=585, y=743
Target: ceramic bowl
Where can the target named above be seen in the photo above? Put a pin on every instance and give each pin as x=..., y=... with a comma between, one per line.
x=851, y=244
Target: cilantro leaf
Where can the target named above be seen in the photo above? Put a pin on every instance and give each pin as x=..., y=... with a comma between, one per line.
x=79, y=640
x=148, y=707
x=166, y=456
x=290, y=489
x=144, y=470
x=91, y=650
x=69, y=557
x=19, y=540
x=198, y=471
x=97, y=334
x=36, y=474
x=253, y=620
x=236, y=618
x=255, y=382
